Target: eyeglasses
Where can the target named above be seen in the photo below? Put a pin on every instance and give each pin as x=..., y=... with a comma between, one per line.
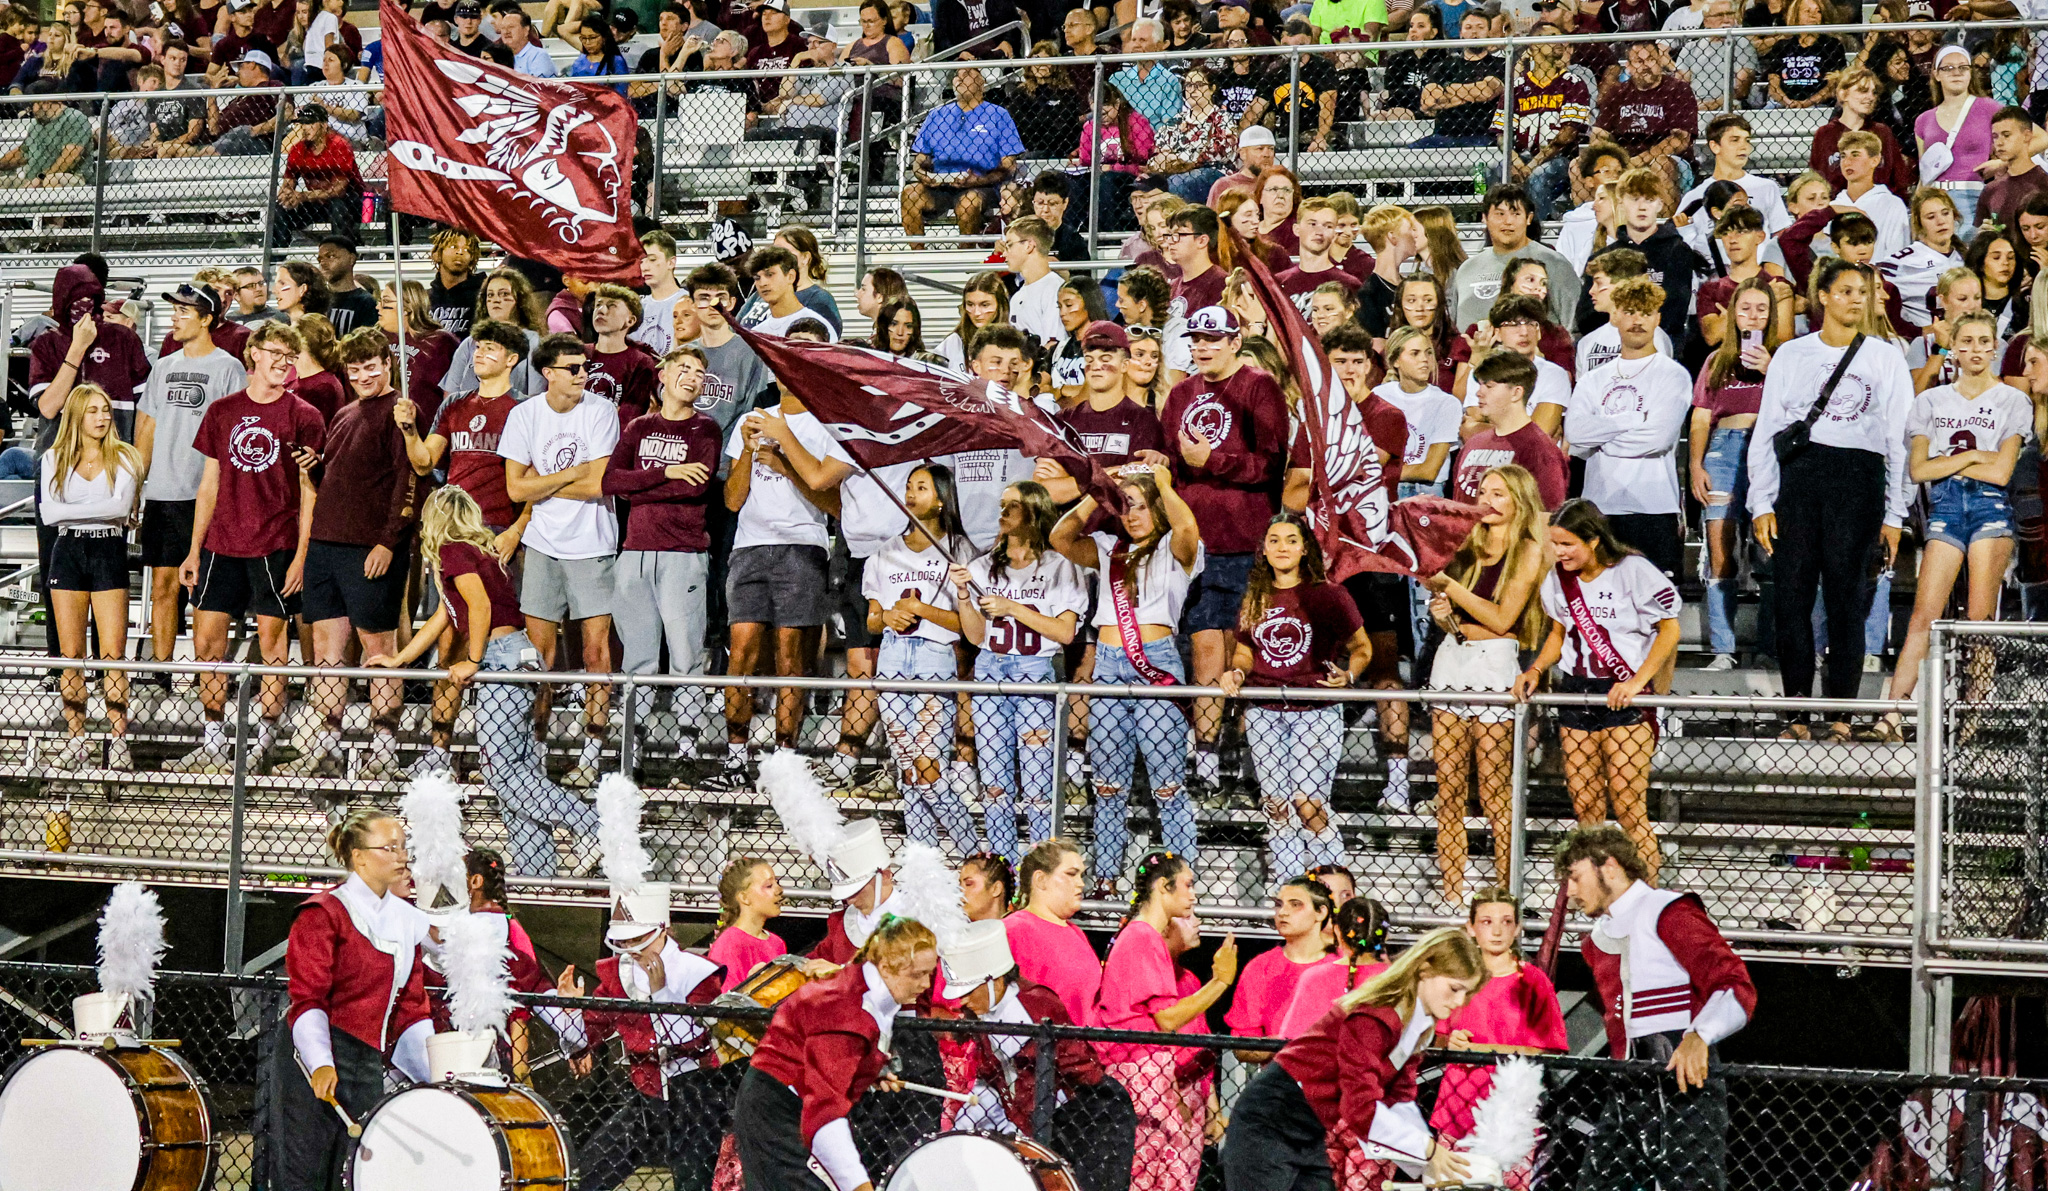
x=1173, y=237
x=571, y=369
x=389, y=849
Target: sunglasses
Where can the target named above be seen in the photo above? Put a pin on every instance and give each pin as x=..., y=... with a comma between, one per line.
x=571, y=369
x=1143, y=332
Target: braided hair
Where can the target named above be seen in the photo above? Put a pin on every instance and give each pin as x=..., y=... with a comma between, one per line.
x=488, y=864
x=1319, y=897
x=995, y=870
x=731, y=883
x=1160, y=864
x=1362, y=923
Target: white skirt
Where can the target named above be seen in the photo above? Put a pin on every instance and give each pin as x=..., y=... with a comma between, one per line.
x=1476, y=666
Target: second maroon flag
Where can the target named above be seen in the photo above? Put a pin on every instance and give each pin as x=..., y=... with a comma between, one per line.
x=541, y=167
x=887, y=409
x=1358, y=527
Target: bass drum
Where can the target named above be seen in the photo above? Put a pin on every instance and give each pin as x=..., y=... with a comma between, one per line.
x=455, y=1136
x=74, y=1118
x=969, y=1161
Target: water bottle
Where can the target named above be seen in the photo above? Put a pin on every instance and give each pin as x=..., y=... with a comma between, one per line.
x=1859, y=854
x=1479, y=181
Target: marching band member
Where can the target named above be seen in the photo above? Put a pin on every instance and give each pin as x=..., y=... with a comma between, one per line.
x=861, y=879
x=1302, y=911
x=749, y=894
x=1049, y=948
x=1350, y=1080
x=1517, y=1012
x=987, y=886
x=677, y=1116
x=357, y=1000
x=824, y=1049
x=1670, y=988
x=485, y=873
x=1361, y=931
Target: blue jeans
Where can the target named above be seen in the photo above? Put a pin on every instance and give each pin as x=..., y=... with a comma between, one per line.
x=919, y=728
x=1119, y=730
x=1013, y=737
x=1418, y=595
x=1437, y=140
x=1727, y=466
x=1963, y=512
x=1294, y=755
x=1195, y=183
x=16, y=463
x=514, y=766
x=1549, y=181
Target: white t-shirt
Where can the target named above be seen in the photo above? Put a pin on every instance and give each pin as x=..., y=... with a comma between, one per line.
x=1888, y=212
x=1603, y=344
x=657, y=329
x=1575, y=235
x=1624, y=420
x=1162, y=585
x=1433, y=417
x=898, y=571
x=1916, y=269
x=773, y=325
x=1176, y=347
x=1553, y=387
x=548, y=442
x=1035, y=309
x=1050, y=586
x=1764, y=194
x=775, y=514
x=868, y=519
x=1628, y=600
x=1952, y=423
x=979, y=478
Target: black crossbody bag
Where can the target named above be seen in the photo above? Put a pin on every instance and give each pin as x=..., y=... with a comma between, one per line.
x=1791, y=441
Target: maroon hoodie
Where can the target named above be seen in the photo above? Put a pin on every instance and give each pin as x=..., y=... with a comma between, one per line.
x=116, y=361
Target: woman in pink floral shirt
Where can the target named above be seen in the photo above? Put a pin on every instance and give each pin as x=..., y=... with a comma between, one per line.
x=1198, y=148
x=1126, y=146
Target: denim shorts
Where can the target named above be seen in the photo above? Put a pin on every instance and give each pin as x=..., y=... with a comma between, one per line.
x=1217, y=594
x=1727, y=466
x=1963, y=511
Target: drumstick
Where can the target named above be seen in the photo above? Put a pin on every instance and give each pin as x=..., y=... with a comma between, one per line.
x=929, y=1090
x=354, y=1130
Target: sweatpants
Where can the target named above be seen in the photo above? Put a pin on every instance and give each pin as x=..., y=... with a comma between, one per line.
x=662, y=597
x=1830, y=508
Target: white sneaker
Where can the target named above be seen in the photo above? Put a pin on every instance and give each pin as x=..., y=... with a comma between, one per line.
x=1722, y=662
x=117, y=754
x=586, y=859
x=379, y=768
x=204, y=759
x=1394, y=799
x=1872, y=664
x=435, y=760
x=581, y=777
x=76, y=754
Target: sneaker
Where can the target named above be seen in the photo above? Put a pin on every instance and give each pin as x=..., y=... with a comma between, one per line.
x=1872, y=664
x=76, y=754
x=204, y=759
x=379, y=768
x=118, y=756
x=1207, y=794
x=1395, y=799
x=586, y=859
x=581, y=776
x=313, y=764
x=731, y=779
x=1722, y=663
x=435, y=760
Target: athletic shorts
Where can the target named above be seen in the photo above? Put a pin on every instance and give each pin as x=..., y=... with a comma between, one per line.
x=565, y=589
x=849, y=603
x=166, y=532
x=337, y=590
x=238, y=586
x=783, y=586
x=96, y=560
x=1217, y=594
x=1382, y=600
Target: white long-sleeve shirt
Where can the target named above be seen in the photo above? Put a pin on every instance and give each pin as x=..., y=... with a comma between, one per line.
x=1888, y=212
x=1867, y=412
x=1624, y=420
x=103, y=503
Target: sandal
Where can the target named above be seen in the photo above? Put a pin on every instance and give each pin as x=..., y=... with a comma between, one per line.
x=1887, y=730
x=1796, y=731
x=1837, y=733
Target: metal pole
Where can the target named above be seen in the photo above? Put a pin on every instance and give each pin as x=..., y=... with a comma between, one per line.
x=102, y=147
x=1294, y=112
x=1095, y=161
x=660, y=146
x=629, y=724
x=1728, y=100
x=398, y=297
x=231, y=950
x=860, y=178
x=270, y=196
x=1507, y=115
x=1919, y=989
x=1059, y=762
x=1518, y=802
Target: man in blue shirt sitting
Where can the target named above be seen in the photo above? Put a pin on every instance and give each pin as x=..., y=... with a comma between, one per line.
x=962, y=156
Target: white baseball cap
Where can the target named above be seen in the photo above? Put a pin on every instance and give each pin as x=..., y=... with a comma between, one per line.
x=1257, y=134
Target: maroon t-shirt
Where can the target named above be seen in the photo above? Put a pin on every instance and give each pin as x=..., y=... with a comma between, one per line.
x=1388, y=427
x=428, y=357
x=462, y=558
x=629, y=379
x=1300, y=286
x=323, y=391
x=1639, y=117
x=227, y=336
x=1192, y=293
x=772, y=61
x=274, y=21
x=667, y=514
x=1237, y=489
x=2014, y=362
x=1115, y=435
x=1358, y=262
x=472, y=425
x=1742, y=393
x=1302, y=633
x=1528, y=447
x=1712, y=296
x=116, y=362
x=256, y=508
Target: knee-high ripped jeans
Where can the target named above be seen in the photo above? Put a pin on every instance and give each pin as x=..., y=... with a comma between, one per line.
x=1294, y=755
x=1013, y=742
x=516, y=768
x=1121, y=729
x=919, y=728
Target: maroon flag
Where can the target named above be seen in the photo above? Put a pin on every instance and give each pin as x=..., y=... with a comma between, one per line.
x=541, y=167
x=1358, y=527
x=888, y=409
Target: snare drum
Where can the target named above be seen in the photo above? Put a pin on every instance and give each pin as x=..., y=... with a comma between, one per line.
x=457, y=1136
x=766, y=988
x=965, y=1161
x=75, y=1118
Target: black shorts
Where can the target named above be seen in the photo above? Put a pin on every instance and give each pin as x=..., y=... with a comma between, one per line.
x=337, y=590
x=238, y=586
x=1382, y=600
x=166, y=532
x=1217, y=594
x=1657, y=535
x=850, y=606
x=1600, y=718
x=94, y=561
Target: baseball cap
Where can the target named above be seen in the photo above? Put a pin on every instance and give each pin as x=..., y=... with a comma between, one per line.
x=199, y=297
x=1234, y=4
x=241, y=5
x=469, y=8
x=310, y=113
x=1104, y=334
x=258, y=57
x=1920, y=10
x=1212, y=322
x=1257, y=134
x=1147, y=184
x=781, y=6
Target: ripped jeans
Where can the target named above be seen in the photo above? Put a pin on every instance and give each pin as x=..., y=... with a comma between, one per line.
x=1119, y=730
x=920, y=728
x=1014, y=741
x=1294, y=755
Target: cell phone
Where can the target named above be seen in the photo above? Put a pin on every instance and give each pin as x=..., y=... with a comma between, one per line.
x=1752, y=339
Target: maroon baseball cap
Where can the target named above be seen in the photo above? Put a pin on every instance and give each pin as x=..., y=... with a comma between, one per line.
x=1102, y=334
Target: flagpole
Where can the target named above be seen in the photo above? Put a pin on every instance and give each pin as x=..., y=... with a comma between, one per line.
x=900, y=506
x=398, y=300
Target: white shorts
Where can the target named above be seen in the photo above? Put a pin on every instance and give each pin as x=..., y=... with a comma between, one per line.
x=1476, y=666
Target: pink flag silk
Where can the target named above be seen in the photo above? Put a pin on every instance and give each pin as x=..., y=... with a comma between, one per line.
x=887, y=409
x=1358, y=528
x=540, y=167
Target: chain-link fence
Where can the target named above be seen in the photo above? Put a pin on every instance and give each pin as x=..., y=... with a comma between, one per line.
x=1103, y=1099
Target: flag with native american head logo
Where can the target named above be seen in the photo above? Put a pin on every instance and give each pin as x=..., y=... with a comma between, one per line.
x=541, y=167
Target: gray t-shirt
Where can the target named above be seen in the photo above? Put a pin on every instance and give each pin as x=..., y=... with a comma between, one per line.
x=177, y=393
x=1477, y=284
x=265, y=313
x=733, y=377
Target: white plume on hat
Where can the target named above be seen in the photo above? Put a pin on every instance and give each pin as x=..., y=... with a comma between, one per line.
x=929, y=891
x=131, y=941
x=475, y=957
x=619, y=803
x=432, y=807
x=1505, y=1125
x=810, y=819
